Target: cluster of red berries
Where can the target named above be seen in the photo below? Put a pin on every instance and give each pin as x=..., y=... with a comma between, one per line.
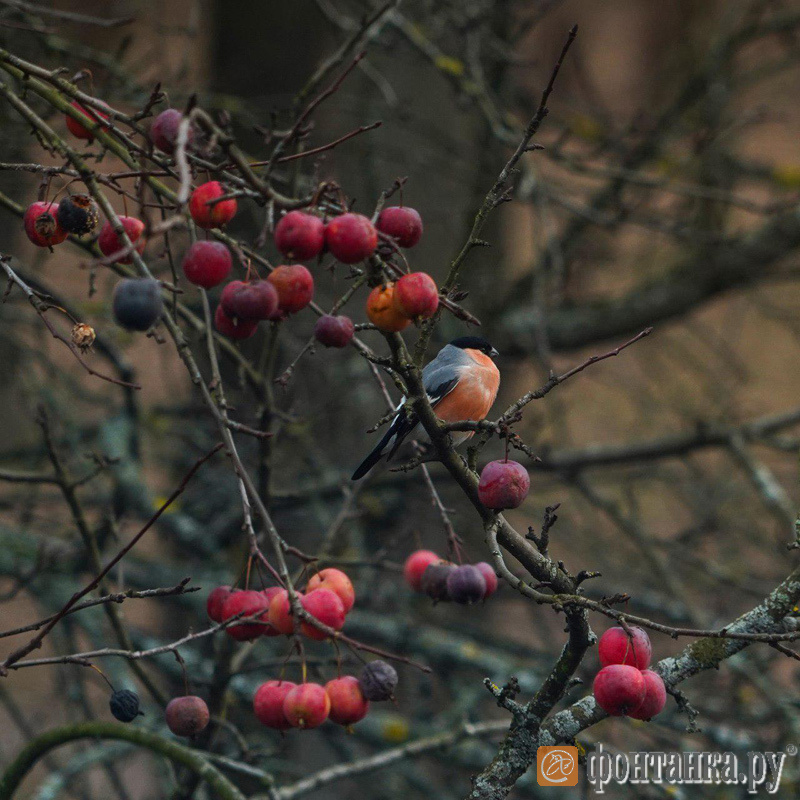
x=625, y=687
x=503, y=484
x=443, y=581
x=281, y=704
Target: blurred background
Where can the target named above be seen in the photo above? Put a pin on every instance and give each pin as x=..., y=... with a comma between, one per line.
x=666, y=194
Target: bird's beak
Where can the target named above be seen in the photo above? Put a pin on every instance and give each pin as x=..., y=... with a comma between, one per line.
x=493, y=353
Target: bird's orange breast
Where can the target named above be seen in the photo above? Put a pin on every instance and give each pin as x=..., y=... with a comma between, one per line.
x=475, y=392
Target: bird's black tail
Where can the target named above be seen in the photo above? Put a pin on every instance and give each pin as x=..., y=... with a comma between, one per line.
x=398, y=431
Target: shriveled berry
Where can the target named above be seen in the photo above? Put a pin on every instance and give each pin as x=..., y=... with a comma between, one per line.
x=465, y=585
x=207, y=263
x=338, y=582
x=334, y=331
x=351, y=238
x=616, y=647
x=280, y=613
x=41, y=225
x=300, y=236
x=307, y=706
x=78, y=129
x=327, y=607
x=434, y=580
x=489, y=576
x=255, y=300
x=233, y=328
x=164, y=131
x=78, y=214
x=295, y=287
x=619, y=689
x=348, y=704
x=402, y=223
x=109, y=243
x=207, y=210
x=655, y=697
x=216, y=602
x=416, y=296
x=503, y=484
x=382, y=311
x=378, y=680
x=124, y=705
x=187, y=715
x=248, y=603
x=268, y=704
x=137, y=303
x=415, y=566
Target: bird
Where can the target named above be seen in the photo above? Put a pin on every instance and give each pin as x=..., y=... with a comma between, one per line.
x=461, y=384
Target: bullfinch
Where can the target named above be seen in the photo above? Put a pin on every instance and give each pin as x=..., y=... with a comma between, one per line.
x=461, y=384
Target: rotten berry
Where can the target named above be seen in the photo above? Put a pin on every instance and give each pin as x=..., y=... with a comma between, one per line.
x=41, y=225
x=78, y=214
x=378, y=681
x=187, y=715
x=124, y=705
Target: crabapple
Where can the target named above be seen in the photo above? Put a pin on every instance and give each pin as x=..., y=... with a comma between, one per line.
x=416, y=296
x=233, y=328
x=41, y=225
x=164, y=130
x=109, y=243
x=300, y=236
x=78, y=129
x=207, y=263
x=434, y=580
x=334, y=331
x=415, y=566
x=137, y=303
x=619, y=689
x=616, y=647
x=382, y=311
x=295, y=287
x=654, y=699
x=307, y=705
x=187, y=715
x=207, y=210
x=351, y=238
x=503, y=484
x=248, y=603
x=268, y=704
x=489, y=576
x=326, y=606
x=78, y=214
x=280, y=613
x=216, y=602
x=348, y=704
x=255, y=300
x=269, y=594
x=338, y=582
x=402, y=223
x=465, y=585
x=124, y=705
x=378, y=680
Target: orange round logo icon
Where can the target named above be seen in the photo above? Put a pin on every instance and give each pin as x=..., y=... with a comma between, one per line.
x=557, y=765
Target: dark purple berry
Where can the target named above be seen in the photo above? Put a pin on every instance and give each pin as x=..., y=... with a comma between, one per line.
x=124, y=705
x=466, y=585
x=434, y=581
x=78, y=214
x=137, y=303
x=378, y=681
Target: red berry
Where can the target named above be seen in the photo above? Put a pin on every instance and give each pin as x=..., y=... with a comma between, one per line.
x=489, y=576
x=233, y=328
x=164, y=131
x=465, y=585
x=348, y=704
x=268, y=704
x=109, y=243
x=269, y=594
x=78, y=129
x=619, y=689
x=207, y=264
x=416, y=296
x=300, y=236
x=334, y=331
x=655, y=697
x=294, y=285
x=307, y=706
x=216, y=602
x=503, y=484
x=41, y=224
x=415, y=565
x=256, y=300
x=338, y=582
x=280, y=613
x=403, y=224
x=327, y=607
x=187, y=716
x=208, y=214
x=616, y=647
x=248, y=603
x=382, y=311
x=351, y=238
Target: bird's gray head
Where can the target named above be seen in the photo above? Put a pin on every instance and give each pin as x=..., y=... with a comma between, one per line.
x=475, y=343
